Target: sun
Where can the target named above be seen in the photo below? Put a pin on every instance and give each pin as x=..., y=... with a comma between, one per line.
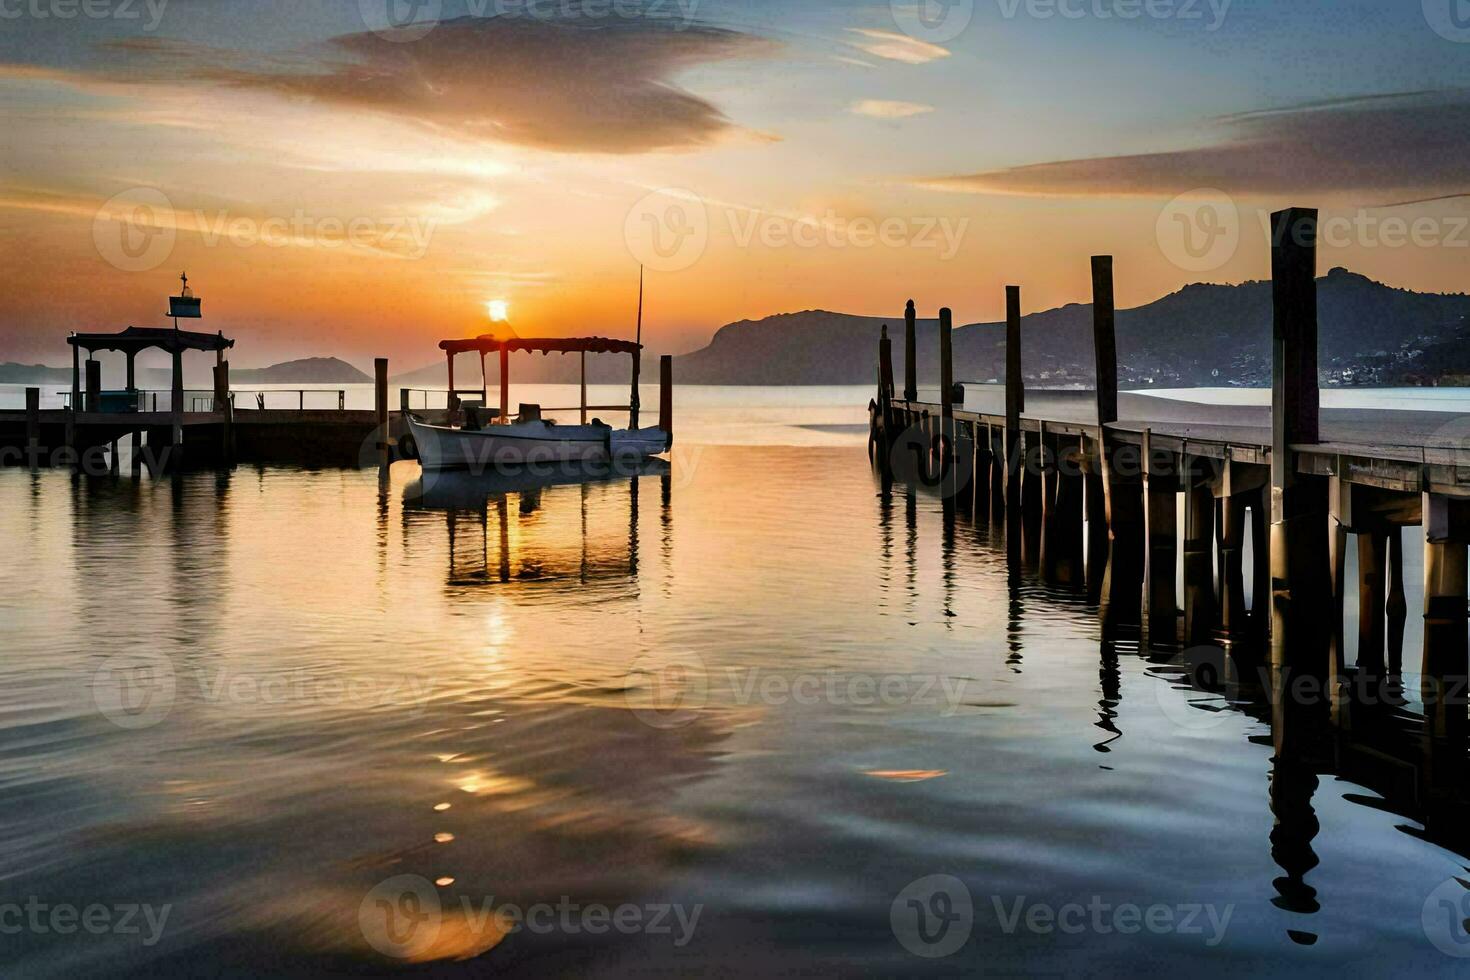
x=499, y=310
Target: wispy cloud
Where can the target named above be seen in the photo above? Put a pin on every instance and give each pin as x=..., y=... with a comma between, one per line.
x=884, y=109
x=896, y=47
x=1410, y=145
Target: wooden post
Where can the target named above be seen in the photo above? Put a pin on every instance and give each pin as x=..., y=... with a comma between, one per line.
x=1015, y=403
x=1372, y=603
x=33, y=427
x=1199, y=554
x=1446, y=670
x=1299, y=511
x=380, y=403
x=136, y=464
x=910, y=356
x=1396, y=607
x=666, y=396
x=94, y=386
x=1065, y=553
x=1161, y=530
x=222, y=405
x=946, y=391
x=1104, y=340
x=583, y=403
x=1260, y=506
x=177, y=406
x=453, y=402
x=484, y=383
x=980, y=479
x=504, y=384
x=1231, y=538
x=76, y=379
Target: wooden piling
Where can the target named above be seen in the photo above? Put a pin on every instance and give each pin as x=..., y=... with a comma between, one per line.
x=1396, y=606
x=1446, y=669
x=1299, y=511
x=980, y=478
x=1230, y=536
x=910, y=354
x=1104, y=340
x=1015, y=404
x=1372, y=603
x=666, y=395
x=1199, y=553
x=946, y=392
x=1161, y=530
x=136, y=439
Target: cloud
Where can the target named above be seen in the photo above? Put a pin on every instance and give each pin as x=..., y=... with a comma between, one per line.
x=1399, y=146
x=882, y=109
x=527, y=81
x=896, y=47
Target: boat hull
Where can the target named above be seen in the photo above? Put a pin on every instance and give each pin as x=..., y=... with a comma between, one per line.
x=505, y=447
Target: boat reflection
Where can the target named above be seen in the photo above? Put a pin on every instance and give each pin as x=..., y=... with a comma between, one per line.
x=574, y=525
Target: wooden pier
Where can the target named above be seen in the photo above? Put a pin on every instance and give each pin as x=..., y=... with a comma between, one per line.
x=1087, y=484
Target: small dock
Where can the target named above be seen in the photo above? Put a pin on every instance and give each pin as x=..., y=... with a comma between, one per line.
x=1088, y=484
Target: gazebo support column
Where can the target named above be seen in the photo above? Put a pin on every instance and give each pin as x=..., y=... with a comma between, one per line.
x=504, y=385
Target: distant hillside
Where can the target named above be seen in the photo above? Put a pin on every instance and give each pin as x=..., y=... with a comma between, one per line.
x=1370, y=334
x=308, y=370
x=33, y=374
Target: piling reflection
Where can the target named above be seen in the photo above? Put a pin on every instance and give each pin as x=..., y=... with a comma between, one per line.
x=1352, y=722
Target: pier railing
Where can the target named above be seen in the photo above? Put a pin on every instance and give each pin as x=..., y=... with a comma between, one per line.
x=287, y=399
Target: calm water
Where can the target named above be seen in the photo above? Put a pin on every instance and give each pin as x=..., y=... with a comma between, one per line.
x=747, y=704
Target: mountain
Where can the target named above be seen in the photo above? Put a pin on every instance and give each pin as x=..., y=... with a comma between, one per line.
x=1370, y=334
x=307, y=370
x=33, y=374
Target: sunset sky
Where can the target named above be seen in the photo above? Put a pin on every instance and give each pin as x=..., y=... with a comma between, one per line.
x=335, y=186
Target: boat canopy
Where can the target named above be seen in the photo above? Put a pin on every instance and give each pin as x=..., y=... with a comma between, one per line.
x=487, y=343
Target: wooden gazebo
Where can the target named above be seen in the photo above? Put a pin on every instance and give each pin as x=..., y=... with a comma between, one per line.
x=504, y=345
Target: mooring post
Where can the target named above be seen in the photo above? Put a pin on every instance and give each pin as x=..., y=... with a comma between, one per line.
x=223, y=406
x=1015, y=405
x=33, y=426
x=666, y=395
x=1161, y=529
x=1260, y=524
x=910, y=356
x=1299, y=508
x=1068, y=504
x=1199, y=551
x=380, y=403
x=505, y=388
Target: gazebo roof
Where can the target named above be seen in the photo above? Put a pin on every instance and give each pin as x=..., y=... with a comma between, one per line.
x=565, y=345
x=135, y=339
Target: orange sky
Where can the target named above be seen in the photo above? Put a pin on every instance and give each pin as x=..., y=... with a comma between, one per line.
x=333, y=190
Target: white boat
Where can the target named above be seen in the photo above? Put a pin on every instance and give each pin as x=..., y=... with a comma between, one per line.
x=520, y=444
